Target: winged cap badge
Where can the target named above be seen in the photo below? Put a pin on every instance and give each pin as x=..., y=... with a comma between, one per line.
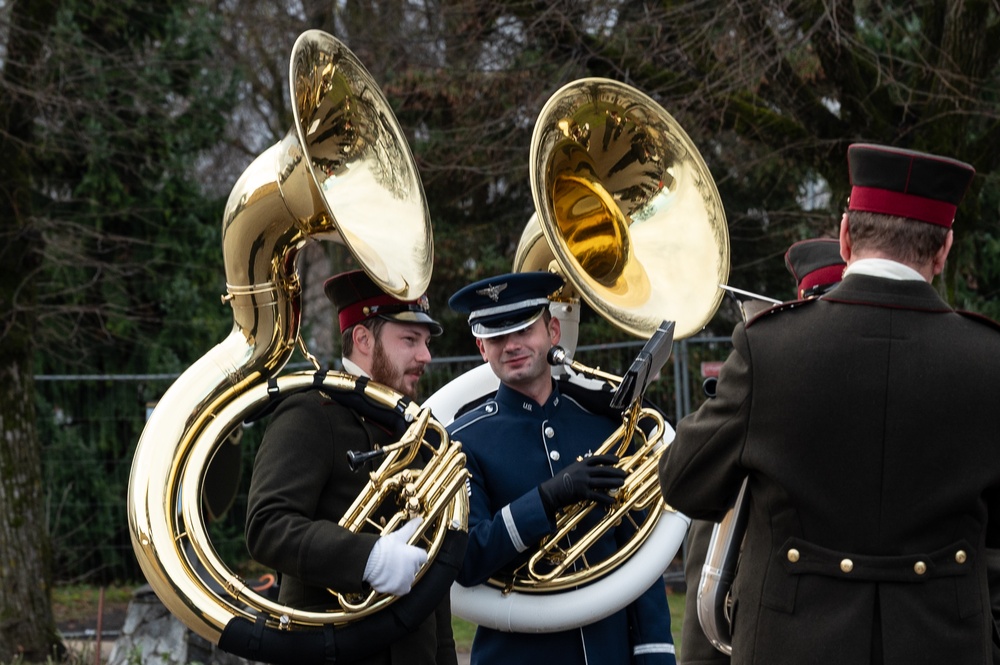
x=492, y=291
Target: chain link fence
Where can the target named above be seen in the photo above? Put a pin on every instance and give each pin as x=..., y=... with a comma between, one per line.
x=89, y=426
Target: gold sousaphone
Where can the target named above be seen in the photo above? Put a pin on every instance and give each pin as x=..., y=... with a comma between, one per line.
x=344, y=173
x=628, y=213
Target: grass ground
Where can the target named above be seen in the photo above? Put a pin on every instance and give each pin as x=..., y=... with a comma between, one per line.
x=78, y=607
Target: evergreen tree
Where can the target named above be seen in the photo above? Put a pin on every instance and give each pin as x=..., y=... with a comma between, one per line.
x=110, y=246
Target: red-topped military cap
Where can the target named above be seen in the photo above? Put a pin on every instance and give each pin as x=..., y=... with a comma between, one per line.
x=906, y=183
x=358, y=298
x=815, y=264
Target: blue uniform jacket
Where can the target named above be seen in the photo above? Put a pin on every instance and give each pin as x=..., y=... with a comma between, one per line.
x=512, y=444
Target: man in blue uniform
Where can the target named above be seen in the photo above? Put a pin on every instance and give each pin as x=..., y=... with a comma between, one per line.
x=529, y=450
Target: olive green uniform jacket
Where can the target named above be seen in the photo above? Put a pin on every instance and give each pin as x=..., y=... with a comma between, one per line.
x=867, y=422
x=301, y=487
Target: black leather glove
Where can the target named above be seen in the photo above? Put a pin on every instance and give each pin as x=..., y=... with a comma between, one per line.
x=586, y=480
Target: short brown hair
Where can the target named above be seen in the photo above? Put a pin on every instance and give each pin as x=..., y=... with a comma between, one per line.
x=900, y=237
x=347, y=337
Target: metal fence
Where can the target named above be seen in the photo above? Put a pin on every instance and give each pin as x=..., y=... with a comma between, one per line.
x=89, y=427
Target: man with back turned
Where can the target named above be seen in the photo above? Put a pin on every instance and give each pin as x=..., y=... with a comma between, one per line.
x=866, y=422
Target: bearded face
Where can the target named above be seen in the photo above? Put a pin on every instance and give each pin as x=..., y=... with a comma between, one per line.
x=400, y=355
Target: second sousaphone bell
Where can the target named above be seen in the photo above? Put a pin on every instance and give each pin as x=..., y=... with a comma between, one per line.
x=629, y=208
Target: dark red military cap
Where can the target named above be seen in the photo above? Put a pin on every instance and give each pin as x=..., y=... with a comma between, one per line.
x=906, y=183
x=358, y=298
x=815, y=264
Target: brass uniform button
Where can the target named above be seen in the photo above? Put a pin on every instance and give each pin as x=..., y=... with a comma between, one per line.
x=920, y=567
x=793, y=555
x=961, y=556
x=847, y=565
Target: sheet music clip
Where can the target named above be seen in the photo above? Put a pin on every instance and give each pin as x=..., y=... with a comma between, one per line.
x=646, y=365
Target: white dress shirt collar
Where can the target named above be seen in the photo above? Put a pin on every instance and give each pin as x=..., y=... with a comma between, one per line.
x=883, y=268
x=352, y=367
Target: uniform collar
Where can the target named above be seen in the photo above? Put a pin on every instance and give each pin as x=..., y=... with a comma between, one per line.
x=898, y=294
x=352, y=367
x=520, y=403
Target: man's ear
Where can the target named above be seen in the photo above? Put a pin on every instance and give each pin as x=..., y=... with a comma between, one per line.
x=942, y=254
x=846, y=250
x=555, y=330
x=482, y=349
x=364, y=341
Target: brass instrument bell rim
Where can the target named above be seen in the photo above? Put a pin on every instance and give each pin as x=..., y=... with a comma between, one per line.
x=368, y=234
x=651, y=223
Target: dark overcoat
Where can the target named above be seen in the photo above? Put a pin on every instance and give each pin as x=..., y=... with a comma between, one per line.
x=512, y=444
x=867, y=422
x=301, y=487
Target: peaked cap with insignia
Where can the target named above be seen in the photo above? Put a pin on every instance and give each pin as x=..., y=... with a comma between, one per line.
x=358, y=298
x=906, y=183
x=505, y=303
x=816, y=265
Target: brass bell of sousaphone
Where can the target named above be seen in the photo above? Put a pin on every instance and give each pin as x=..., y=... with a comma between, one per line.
x=344, y=173
x=631, y=218
x=629, y=208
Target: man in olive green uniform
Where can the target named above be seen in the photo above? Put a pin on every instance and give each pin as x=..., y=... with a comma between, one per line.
x=302, y=483
x=866, y=423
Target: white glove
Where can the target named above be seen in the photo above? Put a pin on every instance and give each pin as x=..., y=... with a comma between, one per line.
x=393, y=563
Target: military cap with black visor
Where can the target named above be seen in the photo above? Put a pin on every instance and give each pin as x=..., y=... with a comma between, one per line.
x=506, y=303
x=358, y=298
